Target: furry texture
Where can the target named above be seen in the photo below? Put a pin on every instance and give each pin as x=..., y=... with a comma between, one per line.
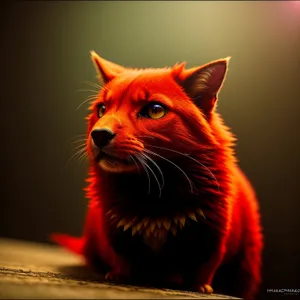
x=168, y=202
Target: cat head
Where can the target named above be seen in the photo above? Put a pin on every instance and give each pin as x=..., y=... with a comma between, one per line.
x=152, y=114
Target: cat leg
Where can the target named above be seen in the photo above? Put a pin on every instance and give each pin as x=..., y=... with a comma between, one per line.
x=120, y=271
x=248, y=276
x=98, y=244
x=206, y=272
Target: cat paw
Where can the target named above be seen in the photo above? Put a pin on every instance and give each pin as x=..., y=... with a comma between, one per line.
x=116, y=276
x=205, y=289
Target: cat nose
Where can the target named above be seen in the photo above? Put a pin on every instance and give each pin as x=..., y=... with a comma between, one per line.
x=102, y=137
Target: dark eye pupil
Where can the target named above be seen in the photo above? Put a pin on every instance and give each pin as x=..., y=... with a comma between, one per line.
x=156, y=108
x=153, y=111
x=101, y=110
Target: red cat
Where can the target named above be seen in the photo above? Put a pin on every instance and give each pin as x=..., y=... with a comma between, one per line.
x=168, y=202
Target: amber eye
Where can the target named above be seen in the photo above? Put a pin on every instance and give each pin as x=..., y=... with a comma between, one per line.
x=101, y=110
x=153, y=111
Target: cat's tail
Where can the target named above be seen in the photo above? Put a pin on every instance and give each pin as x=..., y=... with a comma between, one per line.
x=71, y=243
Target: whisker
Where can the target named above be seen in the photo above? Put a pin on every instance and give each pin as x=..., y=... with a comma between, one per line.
x=87, y=100
x=195, y=160
x=80, y=146
x=147, y=166
x=78, y=136
x=159, y=169
x=95, y=94
x=92, y=97
x=153, y=153
x=82, y=157
x=76, y=154
x=80, y=152
x=132, y=158
x=149, y=180
x=93, y=84
x=81, y=140
x=84, y=90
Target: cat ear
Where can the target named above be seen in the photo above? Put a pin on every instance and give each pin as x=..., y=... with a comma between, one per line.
x=202, y=84
x=106, y=69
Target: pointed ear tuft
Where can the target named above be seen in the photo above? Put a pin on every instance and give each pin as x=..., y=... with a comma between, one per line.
x=178, y=69
x=202, y=84
x=106, y=69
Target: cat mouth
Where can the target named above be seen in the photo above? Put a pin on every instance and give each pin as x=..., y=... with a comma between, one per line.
x=114, y=164
x=104, y=156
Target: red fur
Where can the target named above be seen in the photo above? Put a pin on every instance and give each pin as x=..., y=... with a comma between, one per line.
x=224, y=248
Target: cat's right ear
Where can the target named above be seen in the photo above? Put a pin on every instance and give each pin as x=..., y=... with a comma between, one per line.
x=107, y=70
x=202, y=84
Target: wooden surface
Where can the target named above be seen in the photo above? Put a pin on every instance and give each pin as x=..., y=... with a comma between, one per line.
x=30, y=270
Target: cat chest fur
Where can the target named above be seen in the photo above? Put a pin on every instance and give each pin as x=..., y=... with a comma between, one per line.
x=155, y=231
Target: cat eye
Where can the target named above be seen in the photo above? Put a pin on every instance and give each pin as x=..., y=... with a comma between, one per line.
x=153, y=111
x=101, y=110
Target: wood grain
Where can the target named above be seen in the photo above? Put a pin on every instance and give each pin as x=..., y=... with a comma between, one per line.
x=31, y=270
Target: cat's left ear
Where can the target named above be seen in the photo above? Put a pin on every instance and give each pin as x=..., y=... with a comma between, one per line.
x=106, y=69
x=202, y=84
